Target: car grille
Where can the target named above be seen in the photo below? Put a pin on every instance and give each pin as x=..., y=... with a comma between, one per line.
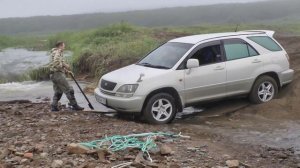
x=107, y=93
x=106, y=85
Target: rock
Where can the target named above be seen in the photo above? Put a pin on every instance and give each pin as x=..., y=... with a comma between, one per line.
x=19, y=154
x=39, y=147
x=46, y=99
x=193, y=149
x=57, y=164
x=12, y=149
x=24, y=161
x=44, y=155
x=59, y=151
x=154, y=151
x=70, y=164
x=282, y=155
x=225, y=156
x=232, y=163
x=87, y=165
x=129, y=157
x=191, y=160
x=18, y=143
x=81, y=160
x=139, y=158
x=245, y=165
x=298, y=165
x=4, y=153
x=98, y=135
x=173, y=165
x=150, y=164
x=102, y=155
x=74, y=148
x=28, y=155
x=165, y=150
x=17, y=159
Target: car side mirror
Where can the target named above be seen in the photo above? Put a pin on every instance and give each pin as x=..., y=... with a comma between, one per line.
x=192, y=63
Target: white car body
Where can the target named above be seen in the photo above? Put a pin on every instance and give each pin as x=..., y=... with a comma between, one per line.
x=208, y=82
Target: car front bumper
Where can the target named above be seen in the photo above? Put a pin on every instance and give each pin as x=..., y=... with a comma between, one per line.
x=132, y=104
x=286, y=77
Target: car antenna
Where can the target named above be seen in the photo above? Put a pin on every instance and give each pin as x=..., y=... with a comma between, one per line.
x=236, y=28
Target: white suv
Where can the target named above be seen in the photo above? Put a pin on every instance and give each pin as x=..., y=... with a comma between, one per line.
x=197, y=68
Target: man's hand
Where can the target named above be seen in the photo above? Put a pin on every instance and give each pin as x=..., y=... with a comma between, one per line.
x=67, y=67
x=70, y=73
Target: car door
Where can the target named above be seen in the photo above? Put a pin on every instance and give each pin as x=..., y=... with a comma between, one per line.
x=243, y=63
x=208, y=80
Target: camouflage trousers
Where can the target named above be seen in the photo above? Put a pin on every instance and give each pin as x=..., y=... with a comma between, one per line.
x=60, y=86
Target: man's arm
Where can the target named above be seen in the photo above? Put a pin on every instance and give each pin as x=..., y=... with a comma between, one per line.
x=59, y=61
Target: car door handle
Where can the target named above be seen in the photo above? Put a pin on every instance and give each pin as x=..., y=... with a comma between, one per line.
x=219, y=68
x=256, y=61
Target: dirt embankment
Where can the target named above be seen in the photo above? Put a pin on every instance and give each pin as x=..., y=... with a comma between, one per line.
x=32, y=136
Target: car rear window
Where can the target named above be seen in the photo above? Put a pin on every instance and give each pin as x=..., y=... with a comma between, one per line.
x=266, y=42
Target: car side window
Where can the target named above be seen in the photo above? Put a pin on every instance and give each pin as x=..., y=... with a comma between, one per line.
x=208, y=55
x=266, y=42
x=238, y=49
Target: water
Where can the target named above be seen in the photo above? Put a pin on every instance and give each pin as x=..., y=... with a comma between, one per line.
x=39, y=91
x=16, y=62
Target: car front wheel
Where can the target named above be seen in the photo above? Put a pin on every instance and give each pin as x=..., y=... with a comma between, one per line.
x=160, y=109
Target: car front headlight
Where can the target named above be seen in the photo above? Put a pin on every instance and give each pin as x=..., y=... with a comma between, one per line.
x=127, y=90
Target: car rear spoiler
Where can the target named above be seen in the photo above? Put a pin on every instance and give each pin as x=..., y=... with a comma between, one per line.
x=270, y=33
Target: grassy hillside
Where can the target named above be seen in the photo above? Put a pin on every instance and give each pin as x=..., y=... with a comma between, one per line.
x=259, y=12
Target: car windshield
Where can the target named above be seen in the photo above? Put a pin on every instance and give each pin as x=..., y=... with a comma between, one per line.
x=165, y=56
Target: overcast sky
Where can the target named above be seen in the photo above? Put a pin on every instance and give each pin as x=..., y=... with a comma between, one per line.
x=26, y=8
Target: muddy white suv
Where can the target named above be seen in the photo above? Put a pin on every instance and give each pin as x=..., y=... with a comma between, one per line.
x=192, y=69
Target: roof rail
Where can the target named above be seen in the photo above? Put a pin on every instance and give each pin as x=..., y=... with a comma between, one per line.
x=267, y=32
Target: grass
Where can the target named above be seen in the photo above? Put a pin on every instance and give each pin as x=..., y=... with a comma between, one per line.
x=104, y=49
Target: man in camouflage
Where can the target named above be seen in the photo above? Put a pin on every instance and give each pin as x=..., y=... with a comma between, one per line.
x=59, y=68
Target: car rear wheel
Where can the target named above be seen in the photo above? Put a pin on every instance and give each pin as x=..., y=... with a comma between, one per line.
x=160, y=109
x=264, y=89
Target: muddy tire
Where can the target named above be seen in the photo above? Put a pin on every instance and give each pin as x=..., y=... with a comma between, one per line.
x=160, y=109
x=264, y=89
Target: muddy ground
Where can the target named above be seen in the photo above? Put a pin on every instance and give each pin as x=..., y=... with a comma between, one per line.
x=266, y=135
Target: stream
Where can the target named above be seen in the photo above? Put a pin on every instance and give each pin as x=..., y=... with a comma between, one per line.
x=17, y=62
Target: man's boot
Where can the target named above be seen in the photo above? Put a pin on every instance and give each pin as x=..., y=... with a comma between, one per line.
x=73, y=102
x=54, y=105
x=76, y=107
x=54, y=108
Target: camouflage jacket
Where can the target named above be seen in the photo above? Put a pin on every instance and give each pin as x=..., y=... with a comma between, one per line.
x=57, y=61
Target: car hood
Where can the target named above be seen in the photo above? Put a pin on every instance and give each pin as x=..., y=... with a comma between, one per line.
x=132, y=73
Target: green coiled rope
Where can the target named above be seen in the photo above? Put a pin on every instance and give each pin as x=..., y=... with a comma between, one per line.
x=143, y=141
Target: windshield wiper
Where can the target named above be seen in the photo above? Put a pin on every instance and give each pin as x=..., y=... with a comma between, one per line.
x=153, y=66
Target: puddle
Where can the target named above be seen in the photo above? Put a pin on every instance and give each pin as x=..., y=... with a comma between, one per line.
x=277, y=135
x=189, y=112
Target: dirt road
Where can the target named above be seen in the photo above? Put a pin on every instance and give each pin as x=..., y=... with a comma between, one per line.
x=266, y=135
